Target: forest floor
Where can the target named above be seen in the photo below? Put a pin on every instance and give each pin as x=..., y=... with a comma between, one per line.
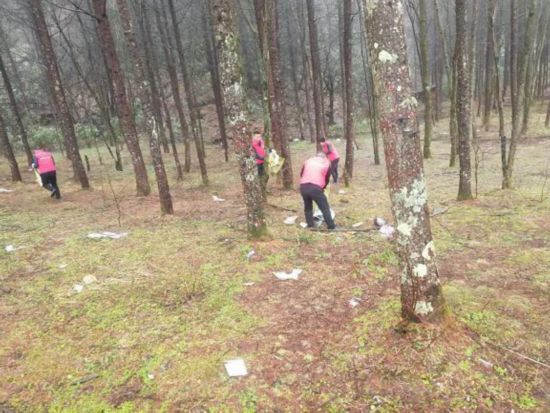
x=176, y=297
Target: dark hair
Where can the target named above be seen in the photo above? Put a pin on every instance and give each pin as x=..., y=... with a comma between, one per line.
x=256, y=131
x=322, y=139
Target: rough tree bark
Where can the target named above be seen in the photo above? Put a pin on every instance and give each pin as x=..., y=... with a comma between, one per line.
x=426, y=77
x=189, y=93
x=213, y=67
x=489, y=60
x=151, y=128
x=7, y=150
x=349, y=131
x=421, y=297
x=276, y=101
x=58, y=92
x=231, y=77
x=174, y=85
x=16, y=112
x=463, y=102
x=320, y=122
x=122, y=104
x=518, y=73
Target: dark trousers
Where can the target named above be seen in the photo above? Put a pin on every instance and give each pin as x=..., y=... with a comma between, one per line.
x=334, y=170
x=49, y=181
x=310, y=193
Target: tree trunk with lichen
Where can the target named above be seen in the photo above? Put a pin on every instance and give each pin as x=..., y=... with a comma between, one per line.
x=349, y=129
x=16, y=111
x=189, y=94
x=318, y=105
x=151, y=128
x=122, y=104
x=58, y=92
x=421, y=297
x=463, y=103
x=426, y=78
x=7, y=150
x=236, y=109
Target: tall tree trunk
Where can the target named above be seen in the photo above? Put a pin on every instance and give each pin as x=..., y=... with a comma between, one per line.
x=7, y=150
x=16, y=112
x=426, y=76
x=306, y=71
x=189, y=93
x=121, y=100
x=58, y=92
x=162, y=98
x=421, y=297
x=463, y=102
x=489, y=51
x=213, y=67
x=320, y=122
x=276, y=95
x=174, y=85
x=231, y=76
x=349, y=130
x=141, y=65
x=518, y=73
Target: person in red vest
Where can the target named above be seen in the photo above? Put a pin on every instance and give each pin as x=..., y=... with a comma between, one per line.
x=333, y=156
x=314, y=178
x=259, y=152
x=45, y=164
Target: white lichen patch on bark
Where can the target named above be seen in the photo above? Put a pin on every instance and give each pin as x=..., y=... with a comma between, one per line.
x=387, y=57
x=420, y=270
x=370, y=5
x=423, y=308
x=404, y=229
x=429, y=251
x=409, y=103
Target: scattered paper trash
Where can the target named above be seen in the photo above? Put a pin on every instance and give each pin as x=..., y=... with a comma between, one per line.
x=89, y=279
x=379, y=222
x=342, y=192
x=303, y=224
x=318, y=218
x=386, y=230
x=250, y=254
x=10, y=248
x=78, y=288
x=357, y=224
x=61, y=266
x=5, y=191
x=291, y=220
x=107, y=234
x=235, y=368
x=249, y=284
x=217, y=198
x=283, y=276
x=354, y=302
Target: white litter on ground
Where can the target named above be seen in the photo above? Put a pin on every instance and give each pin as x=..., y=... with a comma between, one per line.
x=354, y=302
x=217, y=198
x=78, y=288
x=387, y=230
x=107, y=234
x=10, y=248
x=303, y=224
x=5, y=191
x=283, y=276
x=291, y=220
x=235, y=368
x=379, y=222
x=249, y=284
x=318, y=218
x=357, y=224
x=342, y=192
x=89, y=279
x=250, y=254
x=61, y=266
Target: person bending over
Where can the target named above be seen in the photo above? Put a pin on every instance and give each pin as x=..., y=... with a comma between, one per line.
x=333, y=156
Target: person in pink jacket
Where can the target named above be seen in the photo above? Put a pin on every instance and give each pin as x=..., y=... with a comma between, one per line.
x=45, y=164
x=314, y=178
x=258, y=146
x=333, y=156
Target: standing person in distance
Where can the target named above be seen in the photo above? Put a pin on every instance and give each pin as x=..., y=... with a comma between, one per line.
x=333, y=156
x=260, y=154
x=44, y=163
x=314, y=178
